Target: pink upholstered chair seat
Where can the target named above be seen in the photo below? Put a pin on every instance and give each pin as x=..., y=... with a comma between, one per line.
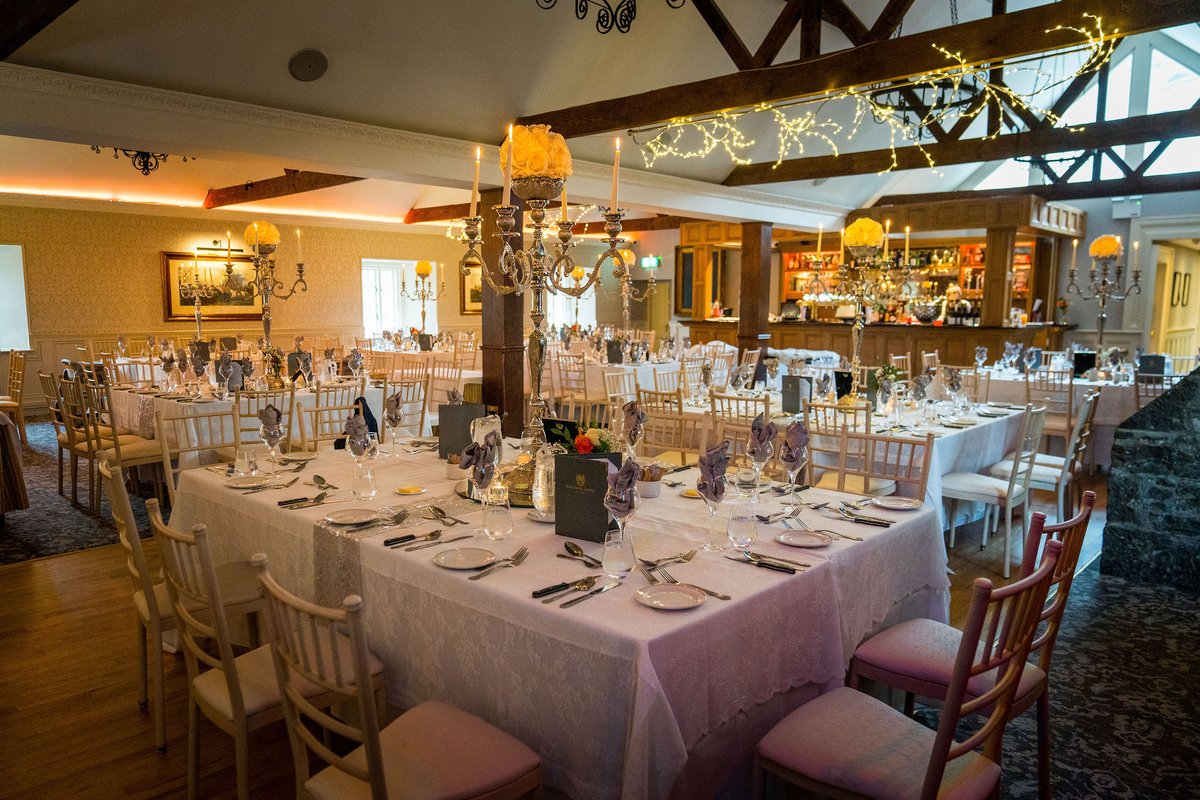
x=851, y=741
x=433, y=752
x=924, y=650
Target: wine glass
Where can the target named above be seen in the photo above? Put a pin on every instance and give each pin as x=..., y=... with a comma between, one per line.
x=1030, y=359
x=271, y=436
x=743, y=529
x=716, y=542
x=372, y=451
x=393, y=421
x=794, y=462
x=759, y=456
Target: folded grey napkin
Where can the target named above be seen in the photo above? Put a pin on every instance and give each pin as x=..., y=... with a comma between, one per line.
x=712, y=480
x=480, y=458
x=299, y=343
x=247, y=368
x=454, y=397
x=168, y=364
x=199, y=366
x=953, y=378
x=635, y=420
x=823, y=382
x=356, y=434
x=795, y=442
x=981, y=354
x=921, y=385
x=393, y=412
x=762, y=434
x=620, y=498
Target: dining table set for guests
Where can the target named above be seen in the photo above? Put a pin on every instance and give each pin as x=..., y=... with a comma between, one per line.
x=627, y=682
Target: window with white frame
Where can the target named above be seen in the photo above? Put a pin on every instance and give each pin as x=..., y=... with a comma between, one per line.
x=560, y=309
x=384, y=308
x=14, y=318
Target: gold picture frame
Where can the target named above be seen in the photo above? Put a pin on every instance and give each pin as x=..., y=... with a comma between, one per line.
x=224, y=305
x=470, y=291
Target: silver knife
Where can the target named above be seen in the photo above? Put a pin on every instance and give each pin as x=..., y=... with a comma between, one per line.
x=435, y=544
x=581, y=598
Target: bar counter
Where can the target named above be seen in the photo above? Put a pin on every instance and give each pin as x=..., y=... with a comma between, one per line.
x=955, y=344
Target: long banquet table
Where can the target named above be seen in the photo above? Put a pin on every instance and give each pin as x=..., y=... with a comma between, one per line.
x=618, y=699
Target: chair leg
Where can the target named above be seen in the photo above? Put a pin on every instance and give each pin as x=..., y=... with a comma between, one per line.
x=242, y=757
x=193, y=749
x=60, y=470
x=1008, y=515
x=74, y=479
x=20, y=415
x=157, y=686
x=953, y=520
x=910, y=703
x=143, y=649
x=1043, y=731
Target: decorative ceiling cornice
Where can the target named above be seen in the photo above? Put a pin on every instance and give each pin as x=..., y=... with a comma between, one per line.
x=59, y=85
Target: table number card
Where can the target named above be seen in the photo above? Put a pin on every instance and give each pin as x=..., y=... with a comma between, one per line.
x=615, y=356
x=842, y=381
x=1084, y=360
x=795, y=391
x=454, y=426
x=580, y=482
x=425, y=342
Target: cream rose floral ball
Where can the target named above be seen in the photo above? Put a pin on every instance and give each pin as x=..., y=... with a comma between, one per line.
x=863, y=232
x=266, y=234
x=1107, y=246
x=537, y=151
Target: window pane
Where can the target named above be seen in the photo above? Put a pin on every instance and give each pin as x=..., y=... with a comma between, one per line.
x=1173, y=87
x=14, y=317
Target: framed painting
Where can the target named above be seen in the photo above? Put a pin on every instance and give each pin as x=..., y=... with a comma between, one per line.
x=470, y=291
x=232, y=303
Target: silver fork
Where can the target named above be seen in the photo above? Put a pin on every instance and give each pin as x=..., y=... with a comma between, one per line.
x=514, y=560
x=808, y=527
x=647, y=574
x=669, y=579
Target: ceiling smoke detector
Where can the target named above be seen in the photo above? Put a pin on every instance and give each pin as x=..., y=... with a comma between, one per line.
x=308, y=65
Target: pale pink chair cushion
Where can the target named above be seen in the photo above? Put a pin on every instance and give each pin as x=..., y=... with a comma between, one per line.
x=852, y=741
x=433, y=752
x=925, y=650
x=260, y=687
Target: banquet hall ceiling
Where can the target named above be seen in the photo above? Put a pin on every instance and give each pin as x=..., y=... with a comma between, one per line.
x=460, y=70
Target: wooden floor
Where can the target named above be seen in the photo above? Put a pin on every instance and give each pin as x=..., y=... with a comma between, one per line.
x=70, y=726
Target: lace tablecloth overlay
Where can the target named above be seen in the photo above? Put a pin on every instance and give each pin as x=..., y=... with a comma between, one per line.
x=618, y=699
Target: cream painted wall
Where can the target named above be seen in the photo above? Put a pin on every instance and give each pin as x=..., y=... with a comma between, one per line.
x=91, y=274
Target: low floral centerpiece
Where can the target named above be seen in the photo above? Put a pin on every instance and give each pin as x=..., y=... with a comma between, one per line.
x=863, y=237
x=1105, y=247
x=262, y=237
x=598, y=440
x=540, y=161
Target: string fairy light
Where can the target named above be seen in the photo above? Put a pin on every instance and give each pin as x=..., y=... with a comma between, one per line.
x=960, y=91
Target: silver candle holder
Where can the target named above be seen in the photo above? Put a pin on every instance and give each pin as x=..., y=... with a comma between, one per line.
x=198, y=291
x=266, y=286
x=1103, y=289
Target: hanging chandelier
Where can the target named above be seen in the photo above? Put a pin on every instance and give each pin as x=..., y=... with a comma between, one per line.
x=144, y=161
x=608, y=16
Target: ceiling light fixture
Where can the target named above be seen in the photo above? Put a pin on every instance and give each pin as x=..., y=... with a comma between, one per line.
x=144, y=161
x=607, y=16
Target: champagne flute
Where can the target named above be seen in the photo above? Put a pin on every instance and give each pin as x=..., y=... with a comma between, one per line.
x=759, y=456
x=716, y=542
x=793, y=461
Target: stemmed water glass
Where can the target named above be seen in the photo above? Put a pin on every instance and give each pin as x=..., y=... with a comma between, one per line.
x=759, y=456
x=271, y=436
x=794, y=462
x=1030, y=359
x=716, y=542
x=393, y=421
x=617, y=558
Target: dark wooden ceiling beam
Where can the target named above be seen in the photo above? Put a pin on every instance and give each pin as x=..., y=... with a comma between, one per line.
x=838, y=14
x=1134, y=130
x=726, y=35
x=1121, y=187
x=784, y=26
x=889, y=19
x=292, y=182
x=454, y=211
x=21, y=20
x=981, y=41
x=437, y=213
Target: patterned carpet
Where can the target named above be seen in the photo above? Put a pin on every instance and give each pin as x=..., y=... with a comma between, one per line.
x=51, y=525
x=1124, y=715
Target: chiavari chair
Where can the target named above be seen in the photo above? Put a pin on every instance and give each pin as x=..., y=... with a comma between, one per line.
x=445, y=376
x=825, y=422
x=247, y=404
x=930, y=361
x=669, y=434
x=50, y=390
x=412, y=405
x=879, y=465
x=185, y=441
x=14, y=393
x=1054, y=390
x=324, y=424
x=1147, y=387
x=122, y=450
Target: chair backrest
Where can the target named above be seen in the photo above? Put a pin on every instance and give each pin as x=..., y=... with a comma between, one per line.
x=97, y=403
x=320, y=424
x=1054, y=389
x=341, y=395
x=750, y=357
x=621, y=385
x=98, y=346
x=572, y=374
x=16, y=375
x=976, y=385
x=668, y=428
x=1027, y=449
x=1148, y=386
x=722, y=367
x=304, y=646
x=189, y=437
x=930, y=360
x=196, y=601
x=381, y=363
x=902, y=363
x=445, y=375
x=413, y=395
x=1071, y=534
x=825, y=422
x=667, y=381
x=873, y=456
x=692, y=376
x=53, y=395
x=74, y=411
x=127, y=532
x=1081, y=437
x=246, y=406
x=137, y=373
x=366, y=345
x=999, y=630
x=737, y=409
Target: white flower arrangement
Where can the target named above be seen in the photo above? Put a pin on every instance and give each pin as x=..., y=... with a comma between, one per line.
x=264, y=234
x=863, y=232
x=1106, y=246
x=537, y=152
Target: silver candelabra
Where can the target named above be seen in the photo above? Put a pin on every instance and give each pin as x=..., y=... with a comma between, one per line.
x=536, y=270
x=266, y=286
x=197, y=291
x=424, y=291
x=1103, y=289
x=857, y=284
x=628, y=292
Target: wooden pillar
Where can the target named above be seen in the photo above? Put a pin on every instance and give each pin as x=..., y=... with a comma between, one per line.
x=754, y=301
x=702, y=281
x=997, y=275
x=503, y=330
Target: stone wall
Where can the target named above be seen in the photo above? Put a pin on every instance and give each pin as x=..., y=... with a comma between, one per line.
x=1153, y=530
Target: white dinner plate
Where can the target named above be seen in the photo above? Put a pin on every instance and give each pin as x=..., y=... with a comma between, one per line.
x=248, y=481
x=898, y=503
x=960, y=422
x=351, y=516
x=296, y=458
x=537, y=516
x=804, y=539
x=464, y=558
x=670, y=596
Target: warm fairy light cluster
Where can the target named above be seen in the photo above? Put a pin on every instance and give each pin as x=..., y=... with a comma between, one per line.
x=959, y=92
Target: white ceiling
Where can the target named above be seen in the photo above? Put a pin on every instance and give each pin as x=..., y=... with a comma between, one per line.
x=460, y=70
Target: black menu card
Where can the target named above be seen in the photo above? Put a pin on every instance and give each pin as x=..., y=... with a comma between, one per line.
x=580, y=483
x=454, y=426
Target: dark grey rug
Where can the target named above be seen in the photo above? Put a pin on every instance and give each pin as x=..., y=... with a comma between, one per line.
x=52, y=525
x=1124, y=715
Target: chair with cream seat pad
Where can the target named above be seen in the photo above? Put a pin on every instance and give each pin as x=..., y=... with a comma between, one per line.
x=825, y=422
x=1003, y=493
x=431, y=751
x=152, y=604
x=847, y=744
x=668, y=434
x=883, y=462
x=1061, y=474
x=1054, y=390
x=239, y=694
x=14, y=393
x=63, y=439
x=917, y=656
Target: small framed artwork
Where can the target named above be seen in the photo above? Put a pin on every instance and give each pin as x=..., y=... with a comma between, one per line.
x=1185, y=298
x=1176, y=289
x=470, y=291
x=232, y=302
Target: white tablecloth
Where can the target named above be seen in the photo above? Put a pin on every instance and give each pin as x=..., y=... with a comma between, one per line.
x=1117, y=404
x=618, y=700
